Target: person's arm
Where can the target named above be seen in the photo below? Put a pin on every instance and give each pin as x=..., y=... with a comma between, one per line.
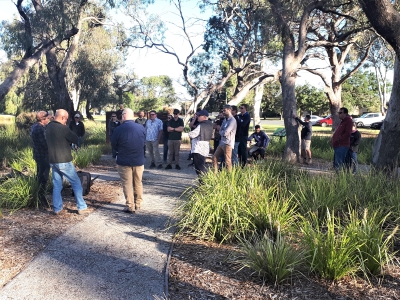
x=83, y=129
x=191, y=125
x=181, y=126
x=114, y=145
x=195, y=132
x=300, y=121
x=250, y=137
x=70, y=136
x=346, y=131
x=232, y=126
x=266, y=140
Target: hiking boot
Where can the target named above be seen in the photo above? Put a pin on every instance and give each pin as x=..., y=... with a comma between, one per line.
x=177, y=167
x=153, y=165
x=168, y=167
x=59, y=213
x=128, y=210
x=83, y=211
x=159, y=166
x=310, y=161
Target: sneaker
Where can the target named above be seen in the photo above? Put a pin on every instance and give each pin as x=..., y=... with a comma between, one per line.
x=128, y=210
x=177, y=167
x=310, y=161
x=153, y=165
x=82, y=211
x=159, y=166
x=168, y=167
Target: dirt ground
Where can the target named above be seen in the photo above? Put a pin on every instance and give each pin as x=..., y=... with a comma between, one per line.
x=197, y=270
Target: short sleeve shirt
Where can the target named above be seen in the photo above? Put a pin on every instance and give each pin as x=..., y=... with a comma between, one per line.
x=174, y=135
x=152, y=129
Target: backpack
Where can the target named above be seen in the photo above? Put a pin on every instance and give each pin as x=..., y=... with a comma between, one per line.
x=86, y=181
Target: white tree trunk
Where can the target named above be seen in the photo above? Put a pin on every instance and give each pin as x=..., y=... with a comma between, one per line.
x=259, y=90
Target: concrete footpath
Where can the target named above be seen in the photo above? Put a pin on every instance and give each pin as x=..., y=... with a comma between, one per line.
x=110, y=254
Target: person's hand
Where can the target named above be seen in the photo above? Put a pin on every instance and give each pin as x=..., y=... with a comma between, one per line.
x=294, y=116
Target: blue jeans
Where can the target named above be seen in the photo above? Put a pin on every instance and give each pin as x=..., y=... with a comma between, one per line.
x=235, y=160
x=340, y=155
x=68, y=171
x=353, y=161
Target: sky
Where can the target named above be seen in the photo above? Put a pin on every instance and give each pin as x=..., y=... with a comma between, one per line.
x=147, y=62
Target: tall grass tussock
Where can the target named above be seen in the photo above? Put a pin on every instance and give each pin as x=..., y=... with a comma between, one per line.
x=325, y=217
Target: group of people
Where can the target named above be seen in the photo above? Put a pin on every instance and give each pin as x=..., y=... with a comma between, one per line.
x=345, y=141
x=52, y=140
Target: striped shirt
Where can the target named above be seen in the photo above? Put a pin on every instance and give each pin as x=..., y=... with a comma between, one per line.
x=153, y=128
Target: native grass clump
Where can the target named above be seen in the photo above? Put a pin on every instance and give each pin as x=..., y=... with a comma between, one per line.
x=19, y=189
x=338, y=225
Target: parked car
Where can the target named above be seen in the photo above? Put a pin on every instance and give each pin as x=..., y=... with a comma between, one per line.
x=368, y=118
x=376, y=125
x=314, y=119
x=327, y=121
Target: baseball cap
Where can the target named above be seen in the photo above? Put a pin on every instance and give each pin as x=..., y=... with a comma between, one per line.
x=202, y=113
x=77, y=116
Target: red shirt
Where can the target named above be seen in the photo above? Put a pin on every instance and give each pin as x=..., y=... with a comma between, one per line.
x=341, y=136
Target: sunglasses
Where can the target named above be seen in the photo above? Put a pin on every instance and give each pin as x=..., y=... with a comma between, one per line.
x=152, y=114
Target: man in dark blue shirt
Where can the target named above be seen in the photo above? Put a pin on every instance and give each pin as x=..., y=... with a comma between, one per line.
x=41, y=155
x=244, y=132
x=262, y=141
x=127, y=142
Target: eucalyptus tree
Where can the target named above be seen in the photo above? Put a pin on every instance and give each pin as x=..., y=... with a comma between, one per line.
x=340, y=36
x=40, y=29
x=385, y=18
x=233, y=34
x=296, y=20
x=382, y=59
x=154, y=92
x=90, y=74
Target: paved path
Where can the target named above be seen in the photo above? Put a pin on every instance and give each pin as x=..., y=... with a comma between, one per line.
x=110, y=254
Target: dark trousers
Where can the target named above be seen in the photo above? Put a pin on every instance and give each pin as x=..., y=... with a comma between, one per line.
x=42, y=175
x=242, y=150
x=165, y=143
x=199, y=162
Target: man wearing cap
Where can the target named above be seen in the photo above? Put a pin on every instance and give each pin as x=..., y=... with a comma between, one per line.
x=153, y=129
x=201, y=136
x=59, y=138
x=78, y=128
x=41, y=155
x=175, y=128
x=227, y=143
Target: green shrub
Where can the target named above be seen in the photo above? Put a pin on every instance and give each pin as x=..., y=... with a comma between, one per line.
x=374, y=241
x=23, y=161
x=95, y=133
x=84, y=156
x=25, y=120
x=330, y=249
x=19, y=192
x=241, y=202
x=272, y=259
x=12, y=139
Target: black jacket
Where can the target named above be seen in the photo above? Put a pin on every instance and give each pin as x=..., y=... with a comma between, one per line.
x=79, y=129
